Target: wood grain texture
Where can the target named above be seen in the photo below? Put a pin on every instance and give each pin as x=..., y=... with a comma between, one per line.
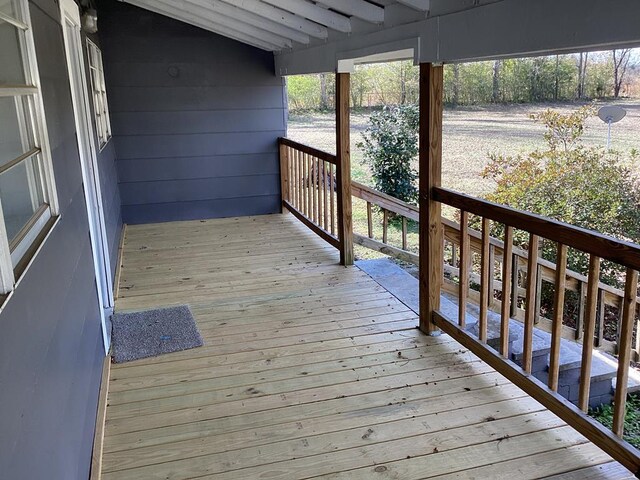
x=589, y=330
x=343, y=168
x=431, y=240
x=485, y=278
x=507, y=297
x=101, y=418
x=558, y=316
x=531, y=303
x=624, y=355
x=465, y=261
x=304, y=363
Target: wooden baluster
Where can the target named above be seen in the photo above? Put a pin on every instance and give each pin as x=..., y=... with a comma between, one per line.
x=369, y=220
x=624, y=355
x=332, y=187
x=600, y=317
x=324, y=195
x=318, y=181
x=515, y=263
x=292, y=178
x=530, y=309
x=284, y=177
x=589, y=327
x=385, y=221
x=404, y=233
x=463, y=272
x=312, y=187
x=507, y=266
x=309, y=188
x=492, y=274
x=454, y=255
x=558, y=316
x=538, y=294
x=637, y=346
x=582, y=296
x=316, y=191
x=484, y=281
x=300, y=182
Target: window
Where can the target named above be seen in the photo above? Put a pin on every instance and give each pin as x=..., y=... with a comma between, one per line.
x=27, y=191
x=103, y=125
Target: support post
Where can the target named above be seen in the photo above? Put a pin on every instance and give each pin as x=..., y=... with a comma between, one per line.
x=430, y=166
x=343, y=174
x=284, y=176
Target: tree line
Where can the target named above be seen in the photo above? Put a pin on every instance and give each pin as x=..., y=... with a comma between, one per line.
x=585, y=75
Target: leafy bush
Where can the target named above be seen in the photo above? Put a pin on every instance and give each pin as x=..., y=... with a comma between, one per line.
x=567, y=181
x=390, y=144
x=604, y=414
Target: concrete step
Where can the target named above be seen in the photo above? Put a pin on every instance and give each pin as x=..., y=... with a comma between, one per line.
x=604, y=367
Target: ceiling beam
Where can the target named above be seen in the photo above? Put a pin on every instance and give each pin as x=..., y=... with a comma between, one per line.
x=278, y=15
x=421, y=5
x=227, y=22
x=186, y=17
x=225, y=10
x=315, y=13
x=358, y=8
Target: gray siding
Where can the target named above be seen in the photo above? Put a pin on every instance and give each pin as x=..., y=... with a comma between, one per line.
x=50, y=338
x=195, y=118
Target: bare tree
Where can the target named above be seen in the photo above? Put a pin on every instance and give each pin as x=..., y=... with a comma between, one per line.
x=456, y=83
x=495, y=94
x=324, y=96
x=582, y=74
x=620, y=64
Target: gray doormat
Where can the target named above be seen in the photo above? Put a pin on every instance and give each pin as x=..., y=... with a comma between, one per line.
x=153, y=332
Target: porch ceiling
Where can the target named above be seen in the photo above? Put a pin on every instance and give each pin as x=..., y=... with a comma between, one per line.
x=276, y=25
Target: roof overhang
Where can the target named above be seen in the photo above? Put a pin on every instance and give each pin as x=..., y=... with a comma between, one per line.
x=334, y=35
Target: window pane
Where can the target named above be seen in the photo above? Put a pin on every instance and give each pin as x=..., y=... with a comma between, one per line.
x=8, y=7
x=14, y=133
x=11, y=66
x=21, y=195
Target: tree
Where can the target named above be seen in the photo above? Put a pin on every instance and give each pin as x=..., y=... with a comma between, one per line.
x=583, y=58
x=390, y=143
x=495, y=96
x=324, y=96
x=620, y=64
x=567, y=181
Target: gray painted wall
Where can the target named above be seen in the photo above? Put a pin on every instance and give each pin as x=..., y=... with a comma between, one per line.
x=195, y=118
x=50, y=339
x=108, y=179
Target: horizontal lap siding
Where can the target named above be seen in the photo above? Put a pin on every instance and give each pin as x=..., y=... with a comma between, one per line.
x=50, y=338
x=195, y=118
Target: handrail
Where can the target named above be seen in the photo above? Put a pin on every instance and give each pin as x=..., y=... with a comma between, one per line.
x=594, y=243
x=314, y=152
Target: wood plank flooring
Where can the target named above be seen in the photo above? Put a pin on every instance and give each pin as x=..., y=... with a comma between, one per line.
x=310, y=370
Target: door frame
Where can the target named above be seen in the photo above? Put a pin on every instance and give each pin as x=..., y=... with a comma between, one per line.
x=70, y=13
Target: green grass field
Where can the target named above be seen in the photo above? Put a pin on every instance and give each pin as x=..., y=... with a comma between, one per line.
x=469, y=136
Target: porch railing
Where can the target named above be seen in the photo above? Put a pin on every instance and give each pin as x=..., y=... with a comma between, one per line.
x=608, y=296
x=309, y=190
x=598, y=247
x=309, y=185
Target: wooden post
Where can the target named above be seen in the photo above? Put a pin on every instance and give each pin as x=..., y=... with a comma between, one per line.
x=284, y=176
x=430, y=166
x=343, y=174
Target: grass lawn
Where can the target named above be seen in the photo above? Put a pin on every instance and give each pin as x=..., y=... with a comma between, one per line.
x=469, y=136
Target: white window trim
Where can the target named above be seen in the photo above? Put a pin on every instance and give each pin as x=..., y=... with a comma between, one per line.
x=35, y=116
x=99, y=94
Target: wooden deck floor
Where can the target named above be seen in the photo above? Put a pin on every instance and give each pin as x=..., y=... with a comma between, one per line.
x=310, y=370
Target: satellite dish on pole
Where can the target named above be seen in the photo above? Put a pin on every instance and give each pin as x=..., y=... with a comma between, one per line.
x=610, y=114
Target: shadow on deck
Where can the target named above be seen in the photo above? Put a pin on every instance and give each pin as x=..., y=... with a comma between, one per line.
x=310, y=369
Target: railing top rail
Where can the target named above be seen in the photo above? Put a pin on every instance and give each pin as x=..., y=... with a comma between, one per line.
x=314, y=152
x=385, y=201
x=619, y=251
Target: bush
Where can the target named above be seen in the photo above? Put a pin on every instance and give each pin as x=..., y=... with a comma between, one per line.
x=583, y=186
x=390, y=144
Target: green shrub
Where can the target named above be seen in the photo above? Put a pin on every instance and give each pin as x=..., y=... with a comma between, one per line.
x=567, y=181
x=390, y=143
